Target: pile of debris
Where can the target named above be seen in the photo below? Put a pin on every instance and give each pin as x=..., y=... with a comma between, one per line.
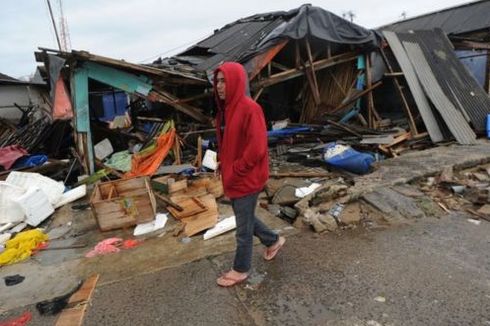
x=467, y=190
x=336, y=98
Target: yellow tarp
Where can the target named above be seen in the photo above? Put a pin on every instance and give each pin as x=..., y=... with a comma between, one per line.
x=21, y=246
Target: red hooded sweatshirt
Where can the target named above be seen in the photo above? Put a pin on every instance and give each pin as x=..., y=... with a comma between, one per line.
x=242, y=147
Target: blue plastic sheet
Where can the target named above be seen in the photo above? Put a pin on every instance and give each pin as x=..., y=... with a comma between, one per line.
x=350, y=160
x=286, y=132
x=30, y=161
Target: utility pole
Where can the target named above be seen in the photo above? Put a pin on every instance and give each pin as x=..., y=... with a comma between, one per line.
x=54, y=25
x=64, y=33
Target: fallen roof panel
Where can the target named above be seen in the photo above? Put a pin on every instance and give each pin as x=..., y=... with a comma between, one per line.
x=457, y=124
x=415, y=87
x=459, y=86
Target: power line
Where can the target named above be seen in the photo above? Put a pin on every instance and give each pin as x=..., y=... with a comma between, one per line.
x=173, y=49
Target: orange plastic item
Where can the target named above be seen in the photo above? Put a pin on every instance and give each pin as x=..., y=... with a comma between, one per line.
x=62, y=108
x=22, y=320
x=147, y=164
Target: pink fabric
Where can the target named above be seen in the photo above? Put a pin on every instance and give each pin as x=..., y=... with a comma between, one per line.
x=107, y=246
x=10, y=154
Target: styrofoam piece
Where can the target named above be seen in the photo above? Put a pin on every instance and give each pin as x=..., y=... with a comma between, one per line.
x=36, y=206
x=157, y=224
x=210, y=160
x=6, y=226
x=103, y=149
x=10, y=211
x=305, y=191
x=72, y=195
x=19, y=227
x=4, y=238
x=53, y=189
x=221, y=227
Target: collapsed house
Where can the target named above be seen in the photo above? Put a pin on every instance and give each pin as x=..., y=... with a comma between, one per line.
x=336, y=98
x=306, y=65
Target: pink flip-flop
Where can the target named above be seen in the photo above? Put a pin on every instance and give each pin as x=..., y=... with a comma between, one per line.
x=272, y=251
x=227, y=281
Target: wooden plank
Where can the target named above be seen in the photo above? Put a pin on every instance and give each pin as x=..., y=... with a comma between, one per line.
x=397, y=140
x=73, y=316
x=204, y=220
x=125, y=81
x=415, y=87
x=86, y=290
x=311, y=74
x=167, y=98
x=191, y=206
x=354, y=98
x=169, y=202
x=344, y=127
x=297, y=72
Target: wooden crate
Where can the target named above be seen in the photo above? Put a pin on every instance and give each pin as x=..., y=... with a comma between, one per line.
x=123, y=203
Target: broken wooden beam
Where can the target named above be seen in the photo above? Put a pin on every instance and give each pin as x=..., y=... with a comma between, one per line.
x=167, y=98
x=356, y=96
x=344, y=127
x=297, y=72
x=169, y=202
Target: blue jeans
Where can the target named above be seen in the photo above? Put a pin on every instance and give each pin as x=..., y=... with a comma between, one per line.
x=248, y=225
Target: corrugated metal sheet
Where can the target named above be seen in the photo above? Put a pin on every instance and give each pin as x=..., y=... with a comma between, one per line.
x=415, y=87
x=456, y=20
x=459, y=86
x=453, y=118
x=231, y=44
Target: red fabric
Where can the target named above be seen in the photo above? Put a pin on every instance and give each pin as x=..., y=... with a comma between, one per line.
x=10, y=154
x=243, y=153
x=22, y=320
x=130, y=243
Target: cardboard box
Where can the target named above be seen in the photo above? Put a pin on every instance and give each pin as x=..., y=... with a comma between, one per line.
x=123, y=203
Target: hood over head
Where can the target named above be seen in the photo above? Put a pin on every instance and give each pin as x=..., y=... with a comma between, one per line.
x=235, y=83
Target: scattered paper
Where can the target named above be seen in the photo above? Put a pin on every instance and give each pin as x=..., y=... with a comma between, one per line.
x=157, y=224
x=380, y=299
x=305, y=191
x=210, y=160
x=476, y=222
x=103, y=149
x=221, y=227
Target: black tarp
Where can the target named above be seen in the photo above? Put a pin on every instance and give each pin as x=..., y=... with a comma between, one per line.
x=316, y=22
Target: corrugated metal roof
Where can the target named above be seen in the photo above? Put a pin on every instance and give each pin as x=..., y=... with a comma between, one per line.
x=453, y=118
x=244, y=38
x=232, y=42
x=462, y=19
x=5, y=78
x=459, y=86
x=423, y=105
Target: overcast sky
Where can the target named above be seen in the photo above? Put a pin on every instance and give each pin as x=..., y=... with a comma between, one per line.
x=141, y=30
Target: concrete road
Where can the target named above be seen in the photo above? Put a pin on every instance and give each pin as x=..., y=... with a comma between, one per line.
x=432, y=272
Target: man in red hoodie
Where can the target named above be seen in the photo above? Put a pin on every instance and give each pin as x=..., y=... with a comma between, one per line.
x=244, y=163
